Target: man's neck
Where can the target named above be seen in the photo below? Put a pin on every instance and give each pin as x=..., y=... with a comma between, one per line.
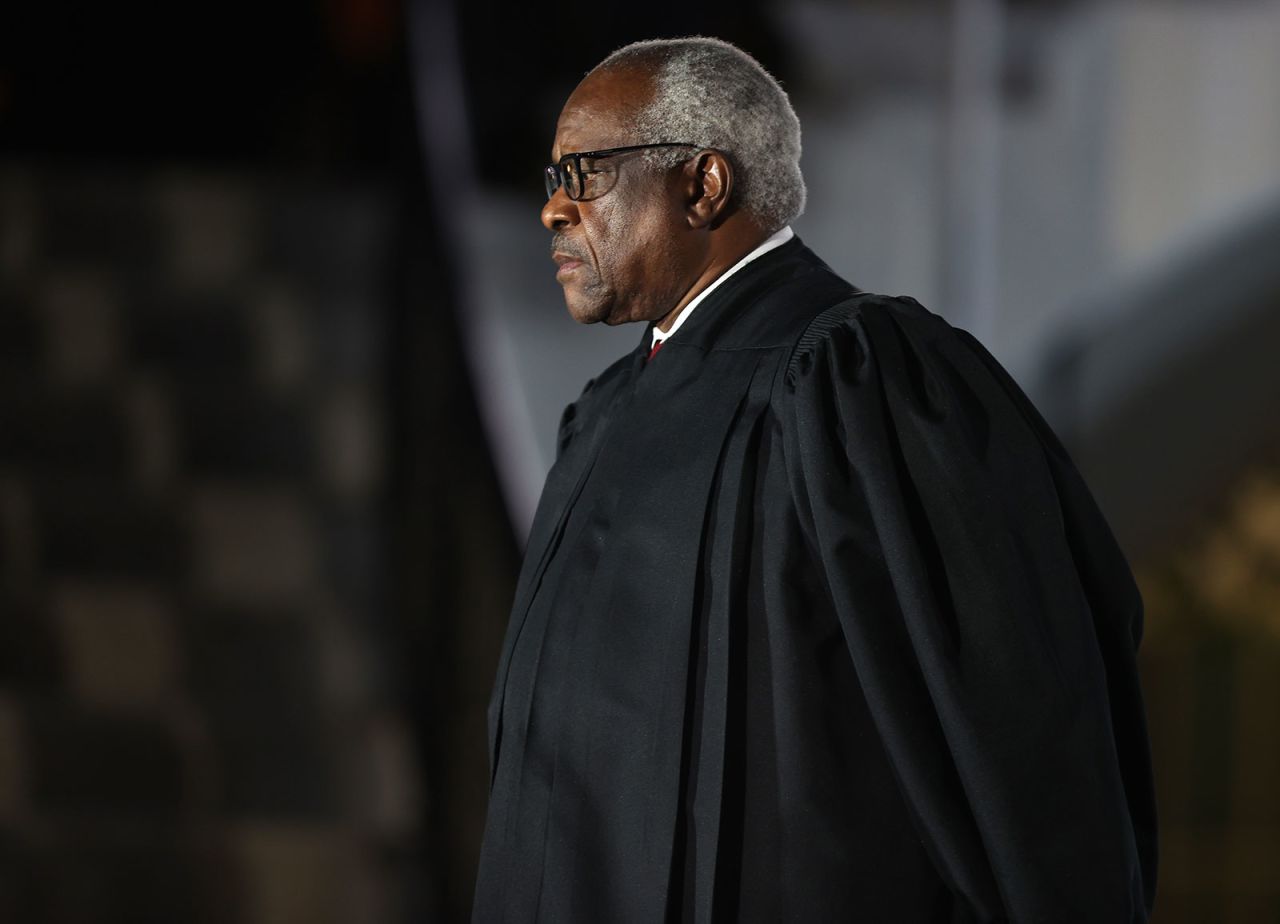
x=709, y=280
x=737, y=236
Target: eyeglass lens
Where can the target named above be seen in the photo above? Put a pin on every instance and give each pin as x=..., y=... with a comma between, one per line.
x=573, y=178
x=568, y=174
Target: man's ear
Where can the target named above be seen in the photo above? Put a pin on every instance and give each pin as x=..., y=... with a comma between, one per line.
x=710, y=184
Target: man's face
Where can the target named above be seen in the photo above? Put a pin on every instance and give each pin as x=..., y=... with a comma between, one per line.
x=619, y=247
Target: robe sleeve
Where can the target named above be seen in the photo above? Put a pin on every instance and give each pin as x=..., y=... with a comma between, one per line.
x=989, y=613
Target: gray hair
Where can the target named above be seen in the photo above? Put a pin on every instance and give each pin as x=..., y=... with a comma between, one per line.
x=715, y=95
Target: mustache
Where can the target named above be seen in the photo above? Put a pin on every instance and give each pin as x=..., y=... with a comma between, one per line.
x=560, y=244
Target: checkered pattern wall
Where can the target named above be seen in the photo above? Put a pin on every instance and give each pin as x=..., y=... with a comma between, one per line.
x=195, y=715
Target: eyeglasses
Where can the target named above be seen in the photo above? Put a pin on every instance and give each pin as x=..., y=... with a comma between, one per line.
x=571, y=174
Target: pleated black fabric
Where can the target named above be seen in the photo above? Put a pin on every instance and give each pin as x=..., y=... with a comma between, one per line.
x=817, y=623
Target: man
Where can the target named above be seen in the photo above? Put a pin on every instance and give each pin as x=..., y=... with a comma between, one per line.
x=817, y=620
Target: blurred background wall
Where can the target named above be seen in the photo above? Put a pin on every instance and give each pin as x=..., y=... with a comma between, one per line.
x=281, y=359
x=247, y=518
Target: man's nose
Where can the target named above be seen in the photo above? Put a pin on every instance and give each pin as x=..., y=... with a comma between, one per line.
x=560, y=212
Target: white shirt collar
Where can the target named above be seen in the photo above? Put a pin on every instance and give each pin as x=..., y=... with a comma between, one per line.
x=777, y=239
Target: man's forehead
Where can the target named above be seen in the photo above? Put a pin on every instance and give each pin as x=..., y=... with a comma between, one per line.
x=599, y=111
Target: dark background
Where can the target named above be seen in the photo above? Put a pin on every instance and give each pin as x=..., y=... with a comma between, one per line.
x=255, y=546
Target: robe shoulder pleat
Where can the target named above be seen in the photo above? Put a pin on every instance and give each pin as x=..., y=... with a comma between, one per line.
x=989, y=613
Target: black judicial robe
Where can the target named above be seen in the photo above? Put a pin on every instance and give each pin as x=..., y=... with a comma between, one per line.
x=817, y=623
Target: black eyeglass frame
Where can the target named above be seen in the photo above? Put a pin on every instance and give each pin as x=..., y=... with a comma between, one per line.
x=555, y=176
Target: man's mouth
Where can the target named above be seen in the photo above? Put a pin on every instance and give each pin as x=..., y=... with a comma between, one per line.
x=567, y=264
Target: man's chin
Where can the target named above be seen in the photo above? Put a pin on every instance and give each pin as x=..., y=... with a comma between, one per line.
x=586, y=310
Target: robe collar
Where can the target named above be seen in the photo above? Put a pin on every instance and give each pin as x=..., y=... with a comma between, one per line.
x=725, y=319
x=772, y=242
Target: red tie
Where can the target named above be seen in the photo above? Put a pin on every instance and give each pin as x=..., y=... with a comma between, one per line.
x=656, y=347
